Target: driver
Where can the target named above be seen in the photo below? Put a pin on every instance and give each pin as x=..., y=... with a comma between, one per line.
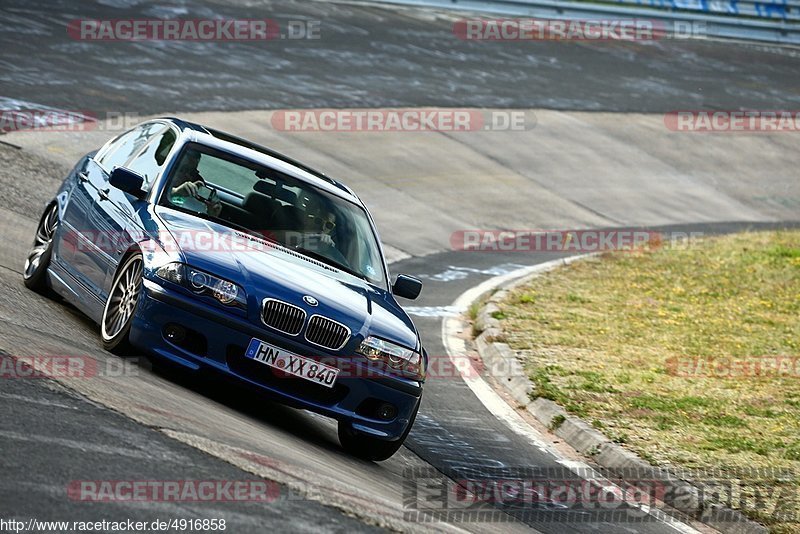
x=319, y=224
x=186, y=183
x=325, y=225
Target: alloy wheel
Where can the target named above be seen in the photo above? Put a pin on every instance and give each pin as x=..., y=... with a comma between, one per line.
x=42, y=242
x=122, y=299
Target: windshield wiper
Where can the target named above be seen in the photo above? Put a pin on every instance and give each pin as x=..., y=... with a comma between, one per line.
x=332, y=263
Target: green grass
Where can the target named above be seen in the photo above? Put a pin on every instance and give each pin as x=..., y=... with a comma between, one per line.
x=557, y=421
x=616, y=340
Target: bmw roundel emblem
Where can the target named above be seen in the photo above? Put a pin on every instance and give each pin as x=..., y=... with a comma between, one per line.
x=311, y=301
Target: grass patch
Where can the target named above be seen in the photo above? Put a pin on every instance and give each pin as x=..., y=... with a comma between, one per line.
x=556, y=422
x=473, y=310
x=631, y=342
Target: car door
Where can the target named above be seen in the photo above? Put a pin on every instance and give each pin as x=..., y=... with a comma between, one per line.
x=123, y=209
x=99, y=224
x=74, y=207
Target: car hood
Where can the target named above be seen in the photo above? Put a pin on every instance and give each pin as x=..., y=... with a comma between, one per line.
x=265, y=270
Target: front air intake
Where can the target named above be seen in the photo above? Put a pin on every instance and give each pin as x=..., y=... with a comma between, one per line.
x=326, y=332
x=282, y=316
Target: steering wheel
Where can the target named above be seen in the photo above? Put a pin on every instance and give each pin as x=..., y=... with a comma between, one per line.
x=212, y=196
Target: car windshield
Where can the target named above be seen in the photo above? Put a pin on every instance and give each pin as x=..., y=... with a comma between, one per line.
x=261, y=200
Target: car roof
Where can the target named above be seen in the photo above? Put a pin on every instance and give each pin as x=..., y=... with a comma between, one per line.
x=261, y=154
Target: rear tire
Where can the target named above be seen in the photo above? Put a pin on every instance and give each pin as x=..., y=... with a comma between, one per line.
x=123, y=299
x=34, y=274
x=371, y=448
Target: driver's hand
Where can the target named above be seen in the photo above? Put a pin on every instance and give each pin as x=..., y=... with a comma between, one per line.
x=317, y=239
x=187, y=189
x=214, y=208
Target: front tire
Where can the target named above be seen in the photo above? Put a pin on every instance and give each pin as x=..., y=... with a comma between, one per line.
x=370, y=448
x=34, y=274
x=123, y=298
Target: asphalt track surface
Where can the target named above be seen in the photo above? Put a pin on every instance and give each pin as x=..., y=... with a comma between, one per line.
x=146, y=425
x=369, y=56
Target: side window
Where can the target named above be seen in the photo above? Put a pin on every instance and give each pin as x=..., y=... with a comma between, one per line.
x=127, y=145
x=150, y=161
x=104, y=156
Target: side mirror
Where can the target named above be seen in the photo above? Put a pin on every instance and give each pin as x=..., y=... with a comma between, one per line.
x=407, y=287
x=128, y=181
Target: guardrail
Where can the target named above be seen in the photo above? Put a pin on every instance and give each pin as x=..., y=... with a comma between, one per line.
x=785, y=10
x=674, y=14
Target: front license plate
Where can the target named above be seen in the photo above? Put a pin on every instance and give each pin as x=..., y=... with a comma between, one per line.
x=292, y=364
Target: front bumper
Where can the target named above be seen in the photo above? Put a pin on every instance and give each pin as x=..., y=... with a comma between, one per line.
x=218, y=342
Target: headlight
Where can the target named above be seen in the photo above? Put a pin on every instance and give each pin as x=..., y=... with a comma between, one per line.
x=203, y=283
x=393, y=355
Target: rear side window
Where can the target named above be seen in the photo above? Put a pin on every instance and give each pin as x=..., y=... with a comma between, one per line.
x=149, y=161
x=127, y=145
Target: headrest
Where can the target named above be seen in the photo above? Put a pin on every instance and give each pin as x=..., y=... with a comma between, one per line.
x=273, y=190
x=290, y=197
x=259, y=204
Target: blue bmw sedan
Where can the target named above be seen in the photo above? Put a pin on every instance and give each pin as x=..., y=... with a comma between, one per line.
x=208, y=251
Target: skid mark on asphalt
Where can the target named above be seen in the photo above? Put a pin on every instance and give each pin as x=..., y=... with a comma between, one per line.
x=41, y=402
x=15, y=270
x=435, y=438
x=433, y=311
x=456, y=272
x=84, y=446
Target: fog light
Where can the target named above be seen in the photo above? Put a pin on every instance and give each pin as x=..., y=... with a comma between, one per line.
x=174, y=332
x=387, y=411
